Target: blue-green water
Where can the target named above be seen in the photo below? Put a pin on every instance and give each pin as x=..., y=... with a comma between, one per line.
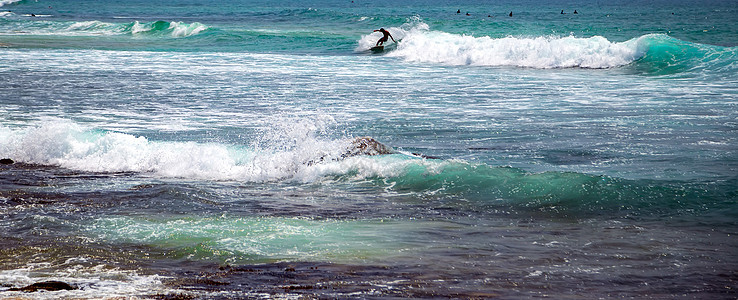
x=197, y=149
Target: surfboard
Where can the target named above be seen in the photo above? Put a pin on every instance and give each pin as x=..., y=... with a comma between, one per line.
x=377, y=49
x=386, y=47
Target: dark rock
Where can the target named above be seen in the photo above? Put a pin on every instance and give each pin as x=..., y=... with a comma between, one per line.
x=425, y=156
x=46, y=285
x=6, y=161
x=364, y=146
x=367, y=146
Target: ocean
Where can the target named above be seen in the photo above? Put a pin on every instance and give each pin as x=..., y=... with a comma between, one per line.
x=201, y=149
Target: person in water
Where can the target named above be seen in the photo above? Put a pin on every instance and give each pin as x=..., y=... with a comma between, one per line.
x=384, y=37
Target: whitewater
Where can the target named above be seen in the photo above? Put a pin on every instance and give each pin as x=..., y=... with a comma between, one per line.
x=188, y=149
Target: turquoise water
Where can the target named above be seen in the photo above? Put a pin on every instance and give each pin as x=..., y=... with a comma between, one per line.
x=197, y=149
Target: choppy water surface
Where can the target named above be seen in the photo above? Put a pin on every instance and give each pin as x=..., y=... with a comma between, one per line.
x=188, y=149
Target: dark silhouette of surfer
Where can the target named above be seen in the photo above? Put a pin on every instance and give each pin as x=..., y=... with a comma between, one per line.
x=511, y=14
x=386, y=34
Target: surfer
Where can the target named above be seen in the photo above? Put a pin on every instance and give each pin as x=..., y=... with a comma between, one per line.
x=384, y=37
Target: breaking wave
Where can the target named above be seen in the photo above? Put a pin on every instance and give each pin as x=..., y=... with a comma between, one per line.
x=7, y=2
x=311, y=158
x=96, y=28
x=652, y=53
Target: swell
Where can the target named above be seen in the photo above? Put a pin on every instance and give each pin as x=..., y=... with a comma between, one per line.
x=302, y=157
x=665, y=55
x=22, y=26
x=651, y=54
x=567, y=193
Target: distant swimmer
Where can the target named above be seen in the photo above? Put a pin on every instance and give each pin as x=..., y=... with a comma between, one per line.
x=562, y=12
x=575, y=12
x=511, y=14
x=458, y=11
x=386, y=34
x=468, y=14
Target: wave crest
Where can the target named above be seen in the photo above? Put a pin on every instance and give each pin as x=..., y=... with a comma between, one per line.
x=299, y=153
x=175, y=29
x=96, y=28
x=652, y=54
x=422, y=45
x=665, y=55
x=7, y=2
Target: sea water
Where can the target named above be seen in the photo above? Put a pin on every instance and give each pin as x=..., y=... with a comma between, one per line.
x=194, y=148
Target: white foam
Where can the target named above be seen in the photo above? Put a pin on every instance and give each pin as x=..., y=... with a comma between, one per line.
x=419, y=44
x=6, y=2
x=138, y=27
x=84, y=28
x=293, y=151
x=180, y=29
x=398, y=33
x=93, y=281
x=90, y=26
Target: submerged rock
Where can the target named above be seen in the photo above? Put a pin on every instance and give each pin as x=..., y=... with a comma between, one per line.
x=6, y=161
x=364, y=146
x=367, y=146
x=46, y=285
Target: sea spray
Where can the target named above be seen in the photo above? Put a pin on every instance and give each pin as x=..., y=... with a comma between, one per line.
x=413, y=26
x=595, y=168
x=298, y=153
x=291, y=152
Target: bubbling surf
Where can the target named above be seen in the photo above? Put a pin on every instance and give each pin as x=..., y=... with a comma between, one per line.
x=195, y=150
x=295, y=155
x=424, y=46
